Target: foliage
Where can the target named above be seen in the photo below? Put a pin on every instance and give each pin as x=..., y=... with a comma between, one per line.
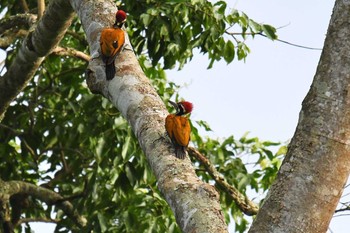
x=169, y=31
x=57, y=134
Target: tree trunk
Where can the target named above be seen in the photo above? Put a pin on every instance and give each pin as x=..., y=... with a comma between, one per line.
x=315, y=170
x=195, y=203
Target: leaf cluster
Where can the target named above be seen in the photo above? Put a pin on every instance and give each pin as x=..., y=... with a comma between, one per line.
x=170, y=31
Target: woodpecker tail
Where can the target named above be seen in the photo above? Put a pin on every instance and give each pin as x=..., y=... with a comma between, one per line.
x=180, y=152
x=110, y=71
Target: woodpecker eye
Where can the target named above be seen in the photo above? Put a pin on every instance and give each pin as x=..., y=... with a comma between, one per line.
x=182, y=108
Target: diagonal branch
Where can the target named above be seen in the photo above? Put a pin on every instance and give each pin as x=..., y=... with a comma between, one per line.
x=39, y=43
x=247, y=206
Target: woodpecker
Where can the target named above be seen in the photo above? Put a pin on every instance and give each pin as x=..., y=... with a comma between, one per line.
x=111, y=42
x=178, y=127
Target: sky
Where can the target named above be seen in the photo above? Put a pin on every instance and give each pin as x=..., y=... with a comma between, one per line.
x=262, y=95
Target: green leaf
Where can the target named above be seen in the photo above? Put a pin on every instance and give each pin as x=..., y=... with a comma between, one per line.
x=164, y=31
x=102, y=221
x=204, y=124
x=229, y=52
x=130, y=171
x=126, y=146
x=146, y=19
x=255, y=26
x=282, y=151
x=269, y=31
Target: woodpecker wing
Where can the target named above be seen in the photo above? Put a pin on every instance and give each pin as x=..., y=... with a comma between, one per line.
x=182, y=130
x=169, y=126
x=111, y=42
x=179, y=130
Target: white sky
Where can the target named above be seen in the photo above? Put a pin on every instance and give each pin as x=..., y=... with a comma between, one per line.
x=264, y=94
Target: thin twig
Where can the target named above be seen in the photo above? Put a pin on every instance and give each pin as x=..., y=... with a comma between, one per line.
x=342, y=209
x=279, y=40
x=14, y=132
x=247, y=206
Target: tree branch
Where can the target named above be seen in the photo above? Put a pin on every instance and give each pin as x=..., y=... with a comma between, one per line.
x=195, y=203
x=247, y=206
x=24, y=5
x=35, y=47
x=28, y=220
x=41, y=8
x=10, y=36
x=11, y=188
x=14, y=27
x=346, y=208
x=11, y=130
x=61, y=51
x=5, y=216
x=24, y=21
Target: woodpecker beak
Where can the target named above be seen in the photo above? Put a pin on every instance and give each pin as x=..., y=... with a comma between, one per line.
x=175, y=105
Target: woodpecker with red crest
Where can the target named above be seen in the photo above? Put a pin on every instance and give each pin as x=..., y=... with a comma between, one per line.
x=111, y=43
x=178, y=127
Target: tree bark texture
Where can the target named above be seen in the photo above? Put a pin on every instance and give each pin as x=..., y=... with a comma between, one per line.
x=46, y=36
x=317, y=165
x=195, y=203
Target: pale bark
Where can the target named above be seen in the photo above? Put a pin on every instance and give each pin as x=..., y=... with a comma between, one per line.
x=195, y=203
x=315, y=170
x=46, y=36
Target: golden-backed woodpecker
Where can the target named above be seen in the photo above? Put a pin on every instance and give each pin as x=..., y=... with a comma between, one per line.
x=178, y=127
x=111, y=42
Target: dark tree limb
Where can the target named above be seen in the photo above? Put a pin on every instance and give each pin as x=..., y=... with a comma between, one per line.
x=24, y=21
x=14, y=27
x=11, y=188
x=38, y=44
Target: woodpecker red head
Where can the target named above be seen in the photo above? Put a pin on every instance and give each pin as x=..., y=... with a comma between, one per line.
x=178, y=127
x=182, y=107
x=111, y=42
x=120, y=18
